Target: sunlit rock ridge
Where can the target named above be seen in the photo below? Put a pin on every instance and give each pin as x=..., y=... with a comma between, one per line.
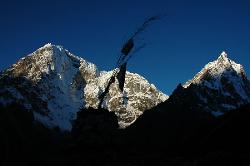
x=55, y=84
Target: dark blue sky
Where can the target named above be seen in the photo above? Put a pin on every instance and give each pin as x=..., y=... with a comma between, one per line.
x=192, y=33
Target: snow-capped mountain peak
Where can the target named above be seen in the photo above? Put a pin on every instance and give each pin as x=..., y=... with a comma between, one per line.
x=223, y=56
x=49, y=59
x=215, y=70
x=224, y=61
x=52, y=85
x=222, y=80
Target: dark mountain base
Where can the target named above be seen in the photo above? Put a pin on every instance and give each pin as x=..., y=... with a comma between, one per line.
x=165, y=139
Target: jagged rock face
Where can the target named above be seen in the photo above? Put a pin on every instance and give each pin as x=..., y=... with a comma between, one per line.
x=221, y=85
x=56, y=84
x=137, y=97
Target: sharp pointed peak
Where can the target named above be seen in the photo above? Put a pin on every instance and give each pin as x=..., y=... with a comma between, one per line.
x=50, y=45
x=223, y=55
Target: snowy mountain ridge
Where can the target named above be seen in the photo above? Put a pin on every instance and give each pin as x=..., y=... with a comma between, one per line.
x=56, y=84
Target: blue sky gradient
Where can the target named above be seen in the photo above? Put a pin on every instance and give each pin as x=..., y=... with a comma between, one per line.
x=191, y=34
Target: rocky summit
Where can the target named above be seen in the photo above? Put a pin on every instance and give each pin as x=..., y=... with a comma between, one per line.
x=222, y=85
